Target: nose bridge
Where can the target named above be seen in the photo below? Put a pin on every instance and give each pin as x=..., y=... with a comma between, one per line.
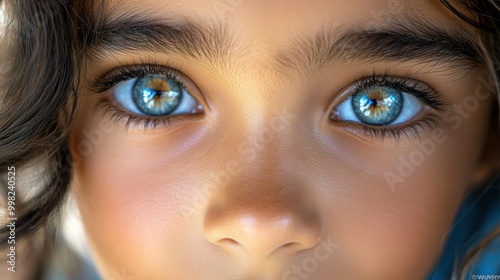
x=264, y=208
x=258, y=144
x=262, y=191
x=260, y=136
x=258, y=112
x=261, y=205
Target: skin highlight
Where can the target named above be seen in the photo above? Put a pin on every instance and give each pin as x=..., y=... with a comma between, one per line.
x=275, y=177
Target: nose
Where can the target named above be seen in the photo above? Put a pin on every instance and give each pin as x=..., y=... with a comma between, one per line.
x=264, y=205
x=261, y=223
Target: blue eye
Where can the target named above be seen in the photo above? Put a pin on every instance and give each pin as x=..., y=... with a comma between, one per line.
x=154, y=95
x=379, y=106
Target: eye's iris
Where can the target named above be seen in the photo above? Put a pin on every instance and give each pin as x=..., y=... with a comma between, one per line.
x=157, y=95
x=378, y=105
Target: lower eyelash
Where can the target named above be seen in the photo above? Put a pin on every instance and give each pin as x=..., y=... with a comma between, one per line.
x=116, y=115
x=410, y=131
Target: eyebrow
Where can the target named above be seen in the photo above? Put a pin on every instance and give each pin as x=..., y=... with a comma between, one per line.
x=128, y=33
x=396, y=42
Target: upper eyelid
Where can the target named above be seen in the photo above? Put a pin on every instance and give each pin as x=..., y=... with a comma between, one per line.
x=119, y=74
x=390, y=81
x=131, y=71
x=427, y=94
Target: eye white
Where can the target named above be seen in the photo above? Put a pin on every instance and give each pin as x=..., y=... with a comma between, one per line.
x=411, y=107
x=122, y=93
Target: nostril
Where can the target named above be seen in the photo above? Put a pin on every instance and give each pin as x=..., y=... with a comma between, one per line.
x=290, y=246
x=259, y=233
x=230, y=243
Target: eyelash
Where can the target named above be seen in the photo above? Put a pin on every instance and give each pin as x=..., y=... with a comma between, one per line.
x=109, y=80
x=409, y=131
x=106, y=82
x=404, y=84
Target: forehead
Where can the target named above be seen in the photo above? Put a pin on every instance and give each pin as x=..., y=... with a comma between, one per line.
x=277, y=17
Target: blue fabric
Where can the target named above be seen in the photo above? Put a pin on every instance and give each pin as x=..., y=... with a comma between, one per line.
x=478, y=216
x=86, y=271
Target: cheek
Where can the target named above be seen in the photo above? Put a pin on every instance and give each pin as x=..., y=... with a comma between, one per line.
x=398, y=233
x=392, y=206
x=131, y=193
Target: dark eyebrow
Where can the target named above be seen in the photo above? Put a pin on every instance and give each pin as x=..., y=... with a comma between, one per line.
x=397, y=42
x=130, y=32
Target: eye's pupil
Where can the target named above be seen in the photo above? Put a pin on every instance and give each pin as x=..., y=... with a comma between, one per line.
x=378, y=105
x=157, y=95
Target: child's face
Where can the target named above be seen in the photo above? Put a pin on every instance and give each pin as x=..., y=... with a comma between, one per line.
x=266, y=175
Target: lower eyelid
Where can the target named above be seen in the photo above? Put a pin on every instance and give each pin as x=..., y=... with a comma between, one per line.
x=422, y=123
x=117, y=116
x=423, y=119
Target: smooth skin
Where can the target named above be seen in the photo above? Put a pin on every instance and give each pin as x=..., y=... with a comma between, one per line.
x=262, y=184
